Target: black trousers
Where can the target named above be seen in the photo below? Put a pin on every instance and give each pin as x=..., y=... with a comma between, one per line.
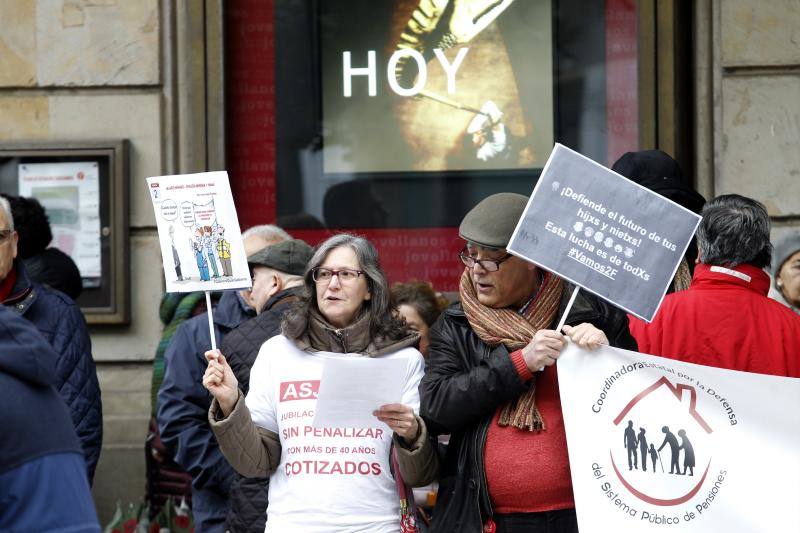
x=561, y=521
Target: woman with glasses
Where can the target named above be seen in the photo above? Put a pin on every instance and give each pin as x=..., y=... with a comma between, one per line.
x=326, y=479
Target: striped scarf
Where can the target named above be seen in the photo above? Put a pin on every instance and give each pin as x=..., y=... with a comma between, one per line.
x=513, y=330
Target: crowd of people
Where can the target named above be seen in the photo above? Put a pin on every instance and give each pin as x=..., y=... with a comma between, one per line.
x=480, y=413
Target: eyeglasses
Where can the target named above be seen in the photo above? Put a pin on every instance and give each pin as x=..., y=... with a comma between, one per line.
x=490, y=265
x=5, y=234
x=324, y=275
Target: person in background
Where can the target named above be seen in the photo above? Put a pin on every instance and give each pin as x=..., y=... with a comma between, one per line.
x=183, y=402
x=786, y=272
x=43, y=483
x=277, y=287
x=491, y=383
x=345, y=310
x=725, y=318
x=61, y=323
x=660, y=173
x=46, y=265
x=420, y=306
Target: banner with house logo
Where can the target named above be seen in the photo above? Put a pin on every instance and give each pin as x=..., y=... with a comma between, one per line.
x=201, y=244
x=661, y=445
x=603, y=232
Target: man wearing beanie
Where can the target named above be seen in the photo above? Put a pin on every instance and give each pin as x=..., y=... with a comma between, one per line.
x=277, y=285
x=490, y=382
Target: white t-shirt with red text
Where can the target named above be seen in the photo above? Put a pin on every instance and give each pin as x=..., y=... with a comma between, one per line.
x=328, y=479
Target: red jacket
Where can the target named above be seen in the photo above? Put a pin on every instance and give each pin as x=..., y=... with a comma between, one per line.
x=726, y=320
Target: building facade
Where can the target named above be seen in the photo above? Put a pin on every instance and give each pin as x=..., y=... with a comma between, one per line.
x=196, y=85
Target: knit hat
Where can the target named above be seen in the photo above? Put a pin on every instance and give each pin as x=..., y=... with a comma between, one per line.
x=492, y=222
x=290, y=257
x=783, y=250
x=657, y=171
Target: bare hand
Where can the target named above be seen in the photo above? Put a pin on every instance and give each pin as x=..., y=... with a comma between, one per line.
x=543, y=350
x=586, y=335
x=400, y=418
x=220, y=381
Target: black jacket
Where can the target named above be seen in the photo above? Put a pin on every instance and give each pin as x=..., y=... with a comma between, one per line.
x=248, y=497
x=60, y=321
x=465, y=382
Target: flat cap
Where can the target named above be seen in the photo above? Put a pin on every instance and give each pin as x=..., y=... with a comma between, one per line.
x=290, y=257
x=492, y=221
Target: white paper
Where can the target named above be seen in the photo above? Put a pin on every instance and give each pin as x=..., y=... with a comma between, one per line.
x=352, y=387
x=744, y=431
x=196, y=220
x=70, y=194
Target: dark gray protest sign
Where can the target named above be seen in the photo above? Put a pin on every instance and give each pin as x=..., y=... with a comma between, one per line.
x=603, y=232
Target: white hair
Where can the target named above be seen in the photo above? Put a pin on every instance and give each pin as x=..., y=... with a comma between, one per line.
x=268, y=232
x=6, y=207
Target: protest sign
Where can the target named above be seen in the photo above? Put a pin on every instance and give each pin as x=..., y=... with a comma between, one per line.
x=657, y=444
x=603, y=232
x=201, y=244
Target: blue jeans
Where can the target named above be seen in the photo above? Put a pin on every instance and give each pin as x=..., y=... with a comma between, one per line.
x=561, y=521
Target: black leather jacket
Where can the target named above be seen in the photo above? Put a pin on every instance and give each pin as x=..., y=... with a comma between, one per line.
x=465, y=382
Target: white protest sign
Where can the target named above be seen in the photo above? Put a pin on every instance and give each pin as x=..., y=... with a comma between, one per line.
x=603, y=232
x=662, y=445
x=201, y=244
x=352, y=387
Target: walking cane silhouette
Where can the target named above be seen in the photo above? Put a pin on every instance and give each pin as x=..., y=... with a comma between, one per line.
x=659, y=461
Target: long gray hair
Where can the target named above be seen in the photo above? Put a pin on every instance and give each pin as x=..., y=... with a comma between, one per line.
x=383, y=320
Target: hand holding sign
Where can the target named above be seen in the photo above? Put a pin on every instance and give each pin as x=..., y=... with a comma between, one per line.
x=220, y=381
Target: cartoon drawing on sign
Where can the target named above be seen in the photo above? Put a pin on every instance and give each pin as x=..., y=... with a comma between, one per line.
x=197, y=247
x=208, y=244
x=201, y=244
x=223, y=251
x=642, y=441
x=688, y=453
x=630, y=445
x=669, y=438
x=175, y=257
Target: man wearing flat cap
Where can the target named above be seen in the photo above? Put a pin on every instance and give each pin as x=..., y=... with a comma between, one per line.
x=490, y=382
x=277, y=285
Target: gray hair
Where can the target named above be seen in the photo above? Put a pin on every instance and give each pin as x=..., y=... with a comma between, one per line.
x=268, y=232
x=383, y=320
x=6, y=207
x=734, y=231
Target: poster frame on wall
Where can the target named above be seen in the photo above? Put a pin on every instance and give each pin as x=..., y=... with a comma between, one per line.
x=104, y=299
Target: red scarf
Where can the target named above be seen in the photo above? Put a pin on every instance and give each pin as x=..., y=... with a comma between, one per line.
x=7, y=285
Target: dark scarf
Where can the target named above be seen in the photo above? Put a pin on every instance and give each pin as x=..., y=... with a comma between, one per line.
x=514, y=331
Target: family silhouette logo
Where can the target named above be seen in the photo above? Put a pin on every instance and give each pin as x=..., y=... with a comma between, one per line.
x=677, y=453
x=678, y=447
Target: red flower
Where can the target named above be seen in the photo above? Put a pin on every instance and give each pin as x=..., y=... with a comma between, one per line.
x=181, y=521
x=154, y=527
x=129, y=526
